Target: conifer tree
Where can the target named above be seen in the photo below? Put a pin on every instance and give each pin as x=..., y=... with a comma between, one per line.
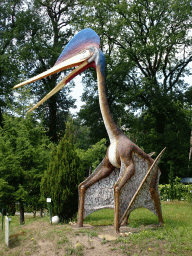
x=24, y=155
x=61, y=179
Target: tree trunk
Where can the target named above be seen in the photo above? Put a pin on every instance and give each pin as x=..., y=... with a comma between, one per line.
x=160, y=121
x=22, y=218
x=53, y=118
x=41, y=213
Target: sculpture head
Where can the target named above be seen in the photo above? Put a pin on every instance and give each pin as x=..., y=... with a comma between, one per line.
x=81, y=52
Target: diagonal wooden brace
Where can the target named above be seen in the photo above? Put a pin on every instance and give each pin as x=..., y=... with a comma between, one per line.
x=137, y=194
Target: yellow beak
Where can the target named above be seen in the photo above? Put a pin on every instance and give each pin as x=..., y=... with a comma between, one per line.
x=59, y=86
x=79, y=60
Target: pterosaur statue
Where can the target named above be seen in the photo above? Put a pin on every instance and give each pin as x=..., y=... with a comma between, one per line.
x=127, y=178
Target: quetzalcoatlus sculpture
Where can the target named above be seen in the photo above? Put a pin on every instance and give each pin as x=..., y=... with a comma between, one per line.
x=127, y=178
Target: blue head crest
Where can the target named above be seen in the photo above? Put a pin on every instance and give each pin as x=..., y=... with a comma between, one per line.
x=82, y=39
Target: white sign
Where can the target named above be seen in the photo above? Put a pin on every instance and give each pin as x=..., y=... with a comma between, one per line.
x=7, y=220
x=48, y=200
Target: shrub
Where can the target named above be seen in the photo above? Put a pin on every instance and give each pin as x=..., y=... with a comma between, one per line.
x=176, y=191
x=60, y=181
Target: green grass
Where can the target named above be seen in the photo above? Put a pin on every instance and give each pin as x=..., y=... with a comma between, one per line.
x=101, y=218
x=177, y=213
x=17, y=234
x=174, y=238
x=15, y=221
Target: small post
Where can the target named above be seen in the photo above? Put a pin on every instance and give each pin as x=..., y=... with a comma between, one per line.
x=2, y=217
x=7, y=220
x=49, y=201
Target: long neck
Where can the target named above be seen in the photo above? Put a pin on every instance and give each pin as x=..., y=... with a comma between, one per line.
x=112, y=128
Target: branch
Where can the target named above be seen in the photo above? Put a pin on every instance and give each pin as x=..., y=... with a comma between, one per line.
x=182, y=66
x=165, y=64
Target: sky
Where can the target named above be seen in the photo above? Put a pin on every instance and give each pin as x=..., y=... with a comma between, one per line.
x=77, y=91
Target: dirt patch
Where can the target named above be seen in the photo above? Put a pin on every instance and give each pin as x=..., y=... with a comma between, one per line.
x=41, y=238
x=45, y=248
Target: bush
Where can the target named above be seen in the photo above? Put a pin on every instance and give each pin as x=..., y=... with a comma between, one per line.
x=176, y=191
x=24, y=155
x=60, y=181
x=91, y=157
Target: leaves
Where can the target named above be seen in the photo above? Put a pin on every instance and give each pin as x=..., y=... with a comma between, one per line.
x=24, y=155
x=93, y=155
x=147, y=45
x=61, y=179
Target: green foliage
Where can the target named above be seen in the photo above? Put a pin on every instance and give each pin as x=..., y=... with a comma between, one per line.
x=175, y=138
x=6, y=197
x=91, y=157
x=145, y=69
x=61, y=179
x=22, y=101
x=24, y=155
x=82, y=134
x=9, y=67
x=175, y=190
x=42, y=43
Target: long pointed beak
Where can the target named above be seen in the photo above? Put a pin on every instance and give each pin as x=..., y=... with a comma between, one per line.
x=79, y=60
x=73, y=61
x=60, y=85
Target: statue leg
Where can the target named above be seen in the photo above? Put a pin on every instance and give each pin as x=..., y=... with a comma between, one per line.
x=129, y=172
x=155, y=196
x=104, y=171
x=81, y=206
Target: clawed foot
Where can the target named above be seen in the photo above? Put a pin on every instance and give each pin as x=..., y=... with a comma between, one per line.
x=79, y=225
x=160, y=224
x=117, y=231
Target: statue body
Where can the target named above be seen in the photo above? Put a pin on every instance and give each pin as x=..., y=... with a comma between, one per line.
x=127, y=178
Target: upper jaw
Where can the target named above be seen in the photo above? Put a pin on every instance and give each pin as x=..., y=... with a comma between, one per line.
x=68, y=63
x=85, y=59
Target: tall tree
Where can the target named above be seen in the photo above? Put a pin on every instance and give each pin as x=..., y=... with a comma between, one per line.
x=24, y=155
x=60, y=181
x=154, y=38
x=46, y=34
x=148, y=48
x=9, y=13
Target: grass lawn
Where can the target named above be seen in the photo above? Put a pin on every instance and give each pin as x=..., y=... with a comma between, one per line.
x=174, y=238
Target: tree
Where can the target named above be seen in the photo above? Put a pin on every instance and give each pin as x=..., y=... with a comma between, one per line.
x=11, y=173
x=46, y=34
x=92, y=157
x=175, y=137
x=9, y=68
x=60, y=181
x=149, y=44
x=24, y=155
x=153, y=37
x=82, y=134
x=21, y=103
